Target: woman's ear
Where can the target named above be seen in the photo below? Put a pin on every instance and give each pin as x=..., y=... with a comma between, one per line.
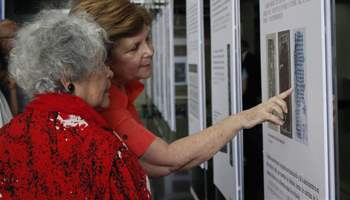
x=65, y=83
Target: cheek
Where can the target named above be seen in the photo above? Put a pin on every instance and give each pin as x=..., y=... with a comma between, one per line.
x=131, y=68
x=99, y=88
x=135, y=66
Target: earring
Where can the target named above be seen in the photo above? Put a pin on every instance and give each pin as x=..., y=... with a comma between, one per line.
x=71, y=87
x=108, y=66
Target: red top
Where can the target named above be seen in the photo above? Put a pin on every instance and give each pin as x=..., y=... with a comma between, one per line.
x=122, y=117
x=59, y=148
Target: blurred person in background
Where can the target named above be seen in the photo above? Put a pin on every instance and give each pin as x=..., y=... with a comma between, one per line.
x=5, y=111
x=13, y=94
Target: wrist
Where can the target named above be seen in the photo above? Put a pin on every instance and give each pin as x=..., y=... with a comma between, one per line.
x=239, y=120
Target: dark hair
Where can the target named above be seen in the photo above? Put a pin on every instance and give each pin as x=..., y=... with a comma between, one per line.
x=3, y=61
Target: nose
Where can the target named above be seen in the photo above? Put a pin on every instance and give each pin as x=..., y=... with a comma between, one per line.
x=109, y=73
x=149, y=51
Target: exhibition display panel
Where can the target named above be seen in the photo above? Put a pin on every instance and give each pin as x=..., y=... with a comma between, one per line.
x=296, y=52
x=226, y=87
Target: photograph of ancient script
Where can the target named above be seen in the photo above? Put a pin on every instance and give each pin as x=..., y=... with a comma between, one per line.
x=285, y=79
x=271, y=70
x=300, y=94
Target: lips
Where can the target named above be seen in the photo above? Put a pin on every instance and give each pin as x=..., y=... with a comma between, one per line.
x=147, y=65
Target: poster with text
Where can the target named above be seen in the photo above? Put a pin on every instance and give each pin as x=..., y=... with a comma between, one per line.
x=159, y=49
x=165, y=63
x=297, y=161
x=195, y=62
x=224, y=70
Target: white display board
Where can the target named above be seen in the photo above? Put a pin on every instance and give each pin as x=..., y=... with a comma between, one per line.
x=195, y=66
x=149, y=87
x=160, y=68
x=294, y=53
x=165, y=63
x=155, y=63
x=225, y=75
x=169, y=18
x=163, y=81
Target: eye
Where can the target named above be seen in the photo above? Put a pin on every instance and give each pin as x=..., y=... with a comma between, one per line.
x=135, y=48
x=148, y=39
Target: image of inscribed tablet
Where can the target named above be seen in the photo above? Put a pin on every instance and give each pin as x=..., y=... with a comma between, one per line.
x=285, y=79
x=300, y=93
x=271, y=70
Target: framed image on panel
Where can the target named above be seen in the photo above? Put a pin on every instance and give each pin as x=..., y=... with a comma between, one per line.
x=300, y=85
x=180, y=59
x=271, y=70
x=180, y=70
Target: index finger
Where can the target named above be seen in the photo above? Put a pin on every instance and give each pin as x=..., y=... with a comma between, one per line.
x=286, y=93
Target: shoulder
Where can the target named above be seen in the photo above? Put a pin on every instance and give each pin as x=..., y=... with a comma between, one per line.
x=115, y=114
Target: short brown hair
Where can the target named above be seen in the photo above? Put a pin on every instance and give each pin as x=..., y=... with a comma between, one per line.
x=119, y=18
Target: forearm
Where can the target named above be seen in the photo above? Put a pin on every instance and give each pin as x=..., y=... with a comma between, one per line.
x=200, y=147
x=162, y=159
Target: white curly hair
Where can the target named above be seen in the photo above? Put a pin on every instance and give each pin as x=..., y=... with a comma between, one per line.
x=56, y=45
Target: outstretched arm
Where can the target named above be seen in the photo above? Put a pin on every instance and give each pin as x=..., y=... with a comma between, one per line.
x=161, y=159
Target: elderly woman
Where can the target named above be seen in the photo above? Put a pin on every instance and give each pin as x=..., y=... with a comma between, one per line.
x=130, y=59
x=60, y=147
